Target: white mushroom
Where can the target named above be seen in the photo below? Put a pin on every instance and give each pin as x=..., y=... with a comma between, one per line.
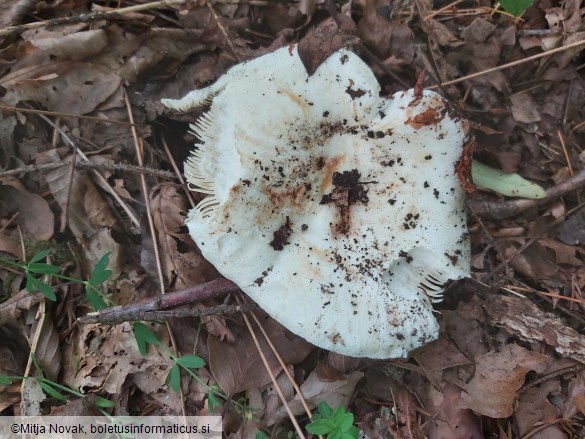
x=339, y=212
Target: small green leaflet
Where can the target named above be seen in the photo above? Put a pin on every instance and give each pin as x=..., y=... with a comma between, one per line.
x=190, y=361
x=33, y=284
x=336, y=424
x=144, y=336
x=100, y=272
x=174, y=378
x=516, y=7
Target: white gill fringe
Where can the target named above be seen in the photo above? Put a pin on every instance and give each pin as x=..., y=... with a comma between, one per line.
x=198, y=178
x=432, y=284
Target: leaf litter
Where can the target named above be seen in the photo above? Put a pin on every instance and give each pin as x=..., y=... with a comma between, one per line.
x=509, y=359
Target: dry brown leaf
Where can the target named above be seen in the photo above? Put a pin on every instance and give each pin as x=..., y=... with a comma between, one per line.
x=68, y=86
x=564, y=254
x=442, y=34
x=335, y=393
x=109, y=355
x=524, y=109
x=12, y=308
x=343, y=363
x=48, y=346
x=238, y=366
x=572, y=230
x=270, y=399
x=9, y=395
x=533, y=262
x=390, y=40
x=524, y=319
x=7, y=13
x=576, y=401
x=534, y=408
x=163, y=49
x=182, y=261
x=90, y=216
x=10, y=245
x=73, y=407
x=75, y=46
x=478, y=31
x=497, y=378
x=465, y=333
x=437, y=356
x=321, y=42
x=399, y=419
x=34, y=215
x=450, y=420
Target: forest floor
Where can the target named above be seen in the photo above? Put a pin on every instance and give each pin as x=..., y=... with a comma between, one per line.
x=92, y=210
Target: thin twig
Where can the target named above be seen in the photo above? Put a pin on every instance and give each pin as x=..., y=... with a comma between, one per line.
x=513, y=288
x=99, y=176
x=548, y=377
x=139, y=146
x=567, y=158
x=89, y=165
x=177, y=171
x=65, y=115
x=90, y=17
x=511, y=64
x=69, y=185
x=292, y=417
x=218, y=20
x=284, y=368
x=443, y=9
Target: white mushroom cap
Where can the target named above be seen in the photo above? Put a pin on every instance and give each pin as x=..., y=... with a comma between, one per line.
x=339, y=212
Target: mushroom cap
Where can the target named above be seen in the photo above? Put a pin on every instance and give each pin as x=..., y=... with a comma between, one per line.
x=338, y=211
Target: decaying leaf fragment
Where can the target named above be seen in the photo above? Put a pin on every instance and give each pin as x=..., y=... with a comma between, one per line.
x=335, y=209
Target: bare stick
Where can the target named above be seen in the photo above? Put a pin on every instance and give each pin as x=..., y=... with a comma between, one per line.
x=132, y=315
x=512, y=64
x=91, y=17
x=443, y=9
x=89, y=165
x=284, y=368
x=292, y=417
x=214, y=289
x=64, y=115
x=139, y=147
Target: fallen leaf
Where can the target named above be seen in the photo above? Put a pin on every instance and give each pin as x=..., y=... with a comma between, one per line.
x=335, y=393
x=564, y=254
x=321, y=42
x=575, y=403
x=450, y=420
x=535, y=408
x=184, y=266
x=524, y=109
x=67, y=86
x=34, y=215
x=48, y=347
x=497, y=378
x=572, y=230
x=390, y=40
x=107, y=356
x=238, y=366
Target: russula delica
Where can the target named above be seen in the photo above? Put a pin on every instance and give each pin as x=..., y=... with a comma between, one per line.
x=338, y=211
